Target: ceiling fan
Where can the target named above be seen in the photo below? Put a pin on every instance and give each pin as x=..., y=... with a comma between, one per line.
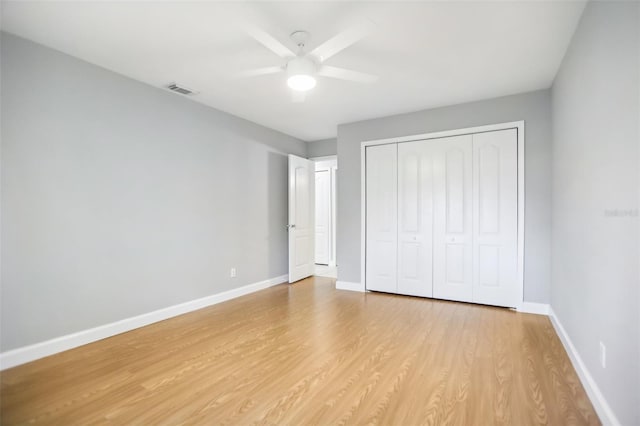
x=303, y=68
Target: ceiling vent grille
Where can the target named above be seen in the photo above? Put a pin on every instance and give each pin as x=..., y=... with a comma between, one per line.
x=174, y=87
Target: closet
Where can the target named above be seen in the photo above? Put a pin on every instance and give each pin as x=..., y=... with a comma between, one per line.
x=441, y=218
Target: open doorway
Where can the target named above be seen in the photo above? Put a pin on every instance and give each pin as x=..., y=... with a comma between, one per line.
x=325, y=216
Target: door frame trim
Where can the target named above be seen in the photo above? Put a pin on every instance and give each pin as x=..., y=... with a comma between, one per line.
x=518, y=125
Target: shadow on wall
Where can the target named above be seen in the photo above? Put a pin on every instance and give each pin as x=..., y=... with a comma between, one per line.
x=277, y=211
x=254, y=132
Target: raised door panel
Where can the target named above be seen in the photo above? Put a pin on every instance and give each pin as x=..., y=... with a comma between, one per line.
x=452, y=250
x=415, y=221
x=495, y=216
x=381, y=218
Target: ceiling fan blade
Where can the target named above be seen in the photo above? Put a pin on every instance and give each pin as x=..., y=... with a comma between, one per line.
x=342, y=40
x=297, y=96
x=345, y=74
x=260, y=71
x=270, y=42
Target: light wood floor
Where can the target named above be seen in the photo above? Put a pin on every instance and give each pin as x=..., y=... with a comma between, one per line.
x=310, y=354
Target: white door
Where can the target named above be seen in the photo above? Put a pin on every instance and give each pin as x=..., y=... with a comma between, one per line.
x=334, y=226
x=301, y=229
x=323, y=216
x=381, y=221
x=495, y=218
x=452, y=235
x=415, y=218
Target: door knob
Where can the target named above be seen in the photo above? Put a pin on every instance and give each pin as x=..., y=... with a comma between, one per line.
x=291, y=226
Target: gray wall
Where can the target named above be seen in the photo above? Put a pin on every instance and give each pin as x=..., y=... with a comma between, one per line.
x=532, y=107
x=322, y=148
x=595, y=277
x=119, y=198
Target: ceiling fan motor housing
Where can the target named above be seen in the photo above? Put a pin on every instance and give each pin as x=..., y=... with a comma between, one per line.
x=301, y=66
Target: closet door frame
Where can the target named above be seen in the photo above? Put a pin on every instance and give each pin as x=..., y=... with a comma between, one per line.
x=518, y=125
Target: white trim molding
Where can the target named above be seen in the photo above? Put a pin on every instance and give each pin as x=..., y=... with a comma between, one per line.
x=36, y=351
x=600, y=404
x=346, y=285
x=534, y=308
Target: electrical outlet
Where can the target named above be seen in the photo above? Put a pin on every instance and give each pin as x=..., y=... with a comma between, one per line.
x=603, y=355
x=232, y=273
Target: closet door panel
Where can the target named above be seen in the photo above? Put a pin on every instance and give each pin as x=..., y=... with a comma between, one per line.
x=415, y=218
x=495, y=217
x=452, y=251
x=381, y=218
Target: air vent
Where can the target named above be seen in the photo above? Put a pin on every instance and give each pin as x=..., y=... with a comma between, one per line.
x=180, y=89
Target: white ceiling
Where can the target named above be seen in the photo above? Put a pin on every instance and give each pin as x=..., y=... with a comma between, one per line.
x=427, y=54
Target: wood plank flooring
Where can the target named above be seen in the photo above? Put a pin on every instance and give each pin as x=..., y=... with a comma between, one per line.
x=306, y=354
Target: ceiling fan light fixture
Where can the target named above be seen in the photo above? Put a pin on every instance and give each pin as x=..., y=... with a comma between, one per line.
x=301, y=82
x=300, y=74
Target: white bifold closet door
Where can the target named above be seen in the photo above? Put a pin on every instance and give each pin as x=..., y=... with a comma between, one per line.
x=441, y=218
x=495, y=218
x=452, y=224
x=415, y=218
x=382, y=218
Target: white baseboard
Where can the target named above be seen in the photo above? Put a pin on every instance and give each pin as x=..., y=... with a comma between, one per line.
x=59, y=344
x=346, y=285
x=534, y=308
x=607, y=417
